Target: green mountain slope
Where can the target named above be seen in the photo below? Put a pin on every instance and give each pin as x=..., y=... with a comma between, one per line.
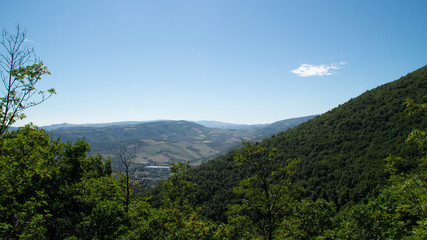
x=342, y=152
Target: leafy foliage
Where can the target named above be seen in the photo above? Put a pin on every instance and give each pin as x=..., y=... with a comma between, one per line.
x=51, y=188
x=178, y=190
x=20, y=75
x=264, y=198
x=308, y=220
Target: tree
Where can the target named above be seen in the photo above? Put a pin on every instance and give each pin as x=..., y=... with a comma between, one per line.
x=23, y=158
x=20, y=71
x=418, y=136
x=126, y=160
x=267, y=196
x=54, y=190
x=178, y=190
x=177, y=218
x=309, y=220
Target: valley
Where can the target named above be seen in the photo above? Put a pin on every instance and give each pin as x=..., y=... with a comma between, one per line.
x=157, y=144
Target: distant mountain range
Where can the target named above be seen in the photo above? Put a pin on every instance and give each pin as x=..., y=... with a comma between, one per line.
x=224, y=125
x=162, y=142
x=205, y=123
x=98, y=125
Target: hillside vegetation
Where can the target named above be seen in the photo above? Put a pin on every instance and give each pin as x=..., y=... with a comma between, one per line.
x=355, y=172
x=341, y=152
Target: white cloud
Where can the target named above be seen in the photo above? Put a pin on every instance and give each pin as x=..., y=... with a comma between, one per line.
x=308, y=70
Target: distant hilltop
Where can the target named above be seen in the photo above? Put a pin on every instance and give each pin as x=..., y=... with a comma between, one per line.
x=205, y=123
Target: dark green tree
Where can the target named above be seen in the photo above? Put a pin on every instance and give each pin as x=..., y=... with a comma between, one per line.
x=309, y=220
x=178, y=190
x=24, y=159
x=266, y=197
x=53, y=190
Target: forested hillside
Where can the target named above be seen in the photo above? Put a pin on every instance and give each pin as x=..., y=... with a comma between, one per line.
x=355, y=172
x=341, y=152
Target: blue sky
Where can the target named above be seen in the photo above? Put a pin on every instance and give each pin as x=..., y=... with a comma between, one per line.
x=226, y=60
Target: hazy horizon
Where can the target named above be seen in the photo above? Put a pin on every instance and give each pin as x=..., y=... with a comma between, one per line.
x=243, y=62
x=159, y=120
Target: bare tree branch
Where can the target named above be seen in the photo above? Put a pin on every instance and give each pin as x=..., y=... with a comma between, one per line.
x=128, y=170
x=20, y=71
